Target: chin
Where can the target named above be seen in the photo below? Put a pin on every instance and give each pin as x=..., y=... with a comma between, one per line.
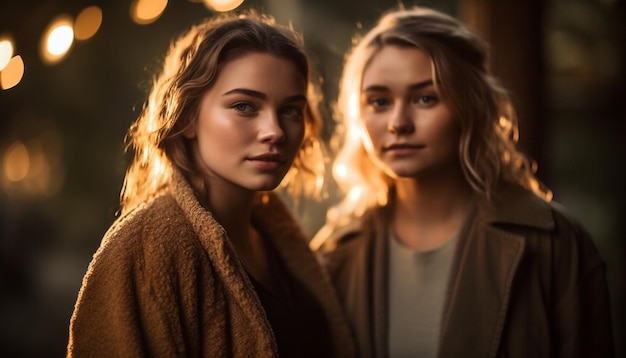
x=267, y=186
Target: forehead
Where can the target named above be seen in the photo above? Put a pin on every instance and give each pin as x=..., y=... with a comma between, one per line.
x=397, y=64
x=258, y=71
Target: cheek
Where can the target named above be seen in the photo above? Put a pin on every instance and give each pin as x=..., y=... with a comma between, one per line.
x=374, y=129
x=216, y=127
x=295, y=135
x=448, y=135
x=294, y=130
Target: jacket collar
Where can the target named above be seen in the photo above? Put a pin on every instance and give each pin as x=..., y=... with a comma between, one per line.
x=515, y=205
x=269, y=215
x=273, y=219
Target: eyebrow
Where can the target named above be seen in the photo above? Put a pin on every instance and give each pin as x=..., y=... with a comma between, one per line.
x=263, y=96
x=413, y=87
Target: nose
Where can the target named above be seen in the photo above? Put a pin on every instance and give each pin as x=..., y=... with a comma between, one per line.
x=270, y=130
x=401, y=120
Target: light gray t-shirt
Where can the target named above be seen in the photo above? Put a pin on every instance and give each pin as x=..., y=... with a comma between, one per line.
x=417, y=289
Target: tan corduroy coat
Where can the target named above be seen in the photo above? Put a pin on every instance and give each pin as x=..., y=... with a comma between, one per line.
x=526, y=281
x=166, y=282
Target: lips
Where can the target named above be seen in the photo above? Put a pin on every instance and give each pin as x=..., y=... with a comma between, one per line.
x=268, y=157
x=402, y=147
x=267, y=161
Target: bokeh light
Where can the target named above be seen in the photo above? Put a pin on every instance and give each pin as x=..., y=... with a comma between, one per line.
x=57, y=40
x=6, y=52
x=87, y=23
x=144, y=12
x=32, y=167
x=16, y=162
x=12, y=73
x=222, y=5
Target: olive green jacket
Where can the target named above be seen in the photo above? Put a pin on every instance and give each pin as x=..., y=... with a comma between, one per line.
x=166, y=282
x=526, y=281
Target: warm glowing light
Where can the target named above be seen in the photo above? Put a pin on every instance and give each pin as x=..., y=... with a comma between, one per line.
x=223, y=5
x=6, y=52
x=341, y=171
x=355, y=193
x=60, y=40
x=353, y=106
x=355, y=134
x=57, y=41
x=505, y=123
x=159, y=168
x=33, y=167
x=87, y=23
x=12, y=73
x=319, y=182
x=16, y=162
x=144, y=12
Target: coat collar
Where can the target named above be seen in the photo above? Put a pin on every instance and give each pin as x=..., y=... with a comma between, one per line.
x=269, y=215
x=511, y=205
x=221, y=252
x=515, y=205
x=273, y=219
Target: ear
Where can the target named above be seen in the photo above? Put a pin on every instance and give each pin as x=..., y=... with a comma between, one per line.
x=190, y=131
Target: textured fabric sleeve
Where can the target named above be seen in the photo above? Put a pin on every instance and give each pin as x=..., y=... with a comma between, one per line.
x=140, y=297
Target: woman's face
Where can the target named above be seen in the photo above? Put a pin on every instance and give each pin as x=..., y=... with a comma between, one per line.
x=251, y=123
x=411, y=130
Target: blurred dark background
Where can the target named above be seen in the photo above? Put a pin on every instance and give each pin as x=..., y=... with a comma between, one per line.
x=62, y=126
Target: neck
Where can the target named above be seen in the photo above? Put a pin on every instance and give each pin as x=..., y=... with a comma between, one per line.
x=232, y=211
x=429, y=211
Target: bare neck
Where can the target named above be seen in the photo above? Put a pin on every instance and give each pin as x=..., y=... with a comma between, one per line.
x=232, y=209
x=429, y=211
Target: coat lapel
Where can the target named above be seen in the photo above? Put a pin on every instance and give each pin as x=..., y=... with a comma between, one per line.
x=487, y=261
x=480, y=293
x=215, y=241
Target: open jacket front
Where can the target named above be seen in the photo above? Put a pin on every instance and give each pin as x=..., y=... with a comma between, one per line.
x=526, y=281
x=166, y=282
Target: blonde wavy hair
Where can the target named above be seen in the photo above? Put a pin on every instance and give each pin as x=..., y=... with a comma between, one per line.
x=483, y=110
x=190, y=68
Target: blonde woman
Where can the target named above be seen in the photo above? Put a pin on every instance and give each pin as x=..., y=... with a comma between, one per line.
x=446, y=244
x=205, y=261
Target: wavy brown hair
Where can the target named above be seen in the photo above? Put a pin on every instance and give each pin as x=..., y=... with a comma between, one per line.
x=190, y=68
x=481, y=107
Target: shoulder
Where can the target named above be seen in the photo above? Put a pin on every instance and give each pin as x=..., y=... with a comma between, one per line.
x=565, y=222
x=344, y=234
x=571, y=240
x=521, y=207
x=546, y=224
x=158, y=218
x=152, y=234
x=570, y=235
x=330, y=237
x=518, y=208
